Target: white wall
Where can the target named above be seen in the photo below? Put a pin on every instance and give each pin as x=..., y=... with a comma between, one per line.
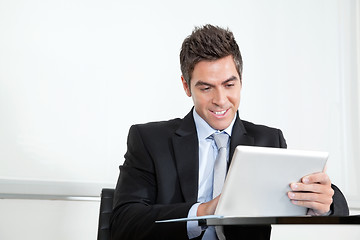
x=45, y=219
x=74, y=75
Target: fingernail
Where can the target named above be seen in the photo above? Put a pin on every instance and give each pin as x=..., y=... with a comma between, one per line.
x=306, y=180
x=294, y=186
x=291, y=195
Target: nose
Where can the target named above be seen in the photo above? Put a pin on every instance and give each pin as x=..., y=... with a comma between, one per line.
x=219, y=98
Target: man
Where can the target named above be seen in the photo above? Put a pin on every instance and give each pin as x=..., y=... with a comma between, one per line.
x=169, y=166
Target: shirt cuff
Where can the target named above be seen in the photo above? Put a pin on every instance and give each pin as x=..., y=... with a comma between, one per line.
x=193, y=228
x=312, y=213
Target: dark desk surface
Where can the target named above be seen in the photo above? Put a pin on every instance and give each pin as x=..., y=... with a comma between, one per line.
x=354, y=219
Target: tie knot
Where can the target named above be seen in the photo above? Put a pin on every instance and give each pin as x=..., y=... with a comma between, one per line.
x=221, y=140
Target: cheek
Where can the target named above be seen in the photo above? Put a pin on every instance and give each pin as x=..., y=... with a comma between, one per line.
x=200, y=101
x=236, y=94
x=235, y=99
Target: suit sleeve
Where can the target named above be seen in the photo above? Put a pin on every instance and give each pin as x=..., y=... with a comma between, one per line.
x=282, y=141
x=339, y=207
x=135, y=207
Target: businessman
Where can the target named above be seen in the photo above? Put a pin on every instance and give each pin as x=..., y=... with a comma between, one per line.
x=172, y=168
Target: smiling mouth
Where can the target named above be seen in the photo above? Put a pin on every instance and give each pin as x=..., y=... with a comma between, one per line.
x=220, y=113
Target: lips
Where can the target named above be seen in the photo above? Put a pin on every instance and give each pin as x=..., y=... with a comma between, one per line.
x=220, y=113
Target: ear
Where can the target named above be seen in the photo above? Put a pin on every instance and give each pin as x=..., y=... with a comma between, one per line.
x=186, y=86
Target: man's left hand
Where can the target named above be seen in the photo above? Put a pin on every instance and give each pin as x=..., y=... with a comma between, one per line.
x=314, y=192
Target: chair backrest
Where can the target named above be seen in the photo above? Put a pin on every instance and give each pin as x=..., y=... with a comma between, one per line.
x=106, y=205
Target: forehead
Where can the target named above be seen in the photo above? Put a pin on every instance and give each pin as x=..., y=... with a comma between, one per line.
x=215, y=71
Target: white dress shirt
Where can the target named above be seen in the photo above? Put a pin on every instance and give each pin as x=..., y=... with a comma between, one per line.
x=207, y=155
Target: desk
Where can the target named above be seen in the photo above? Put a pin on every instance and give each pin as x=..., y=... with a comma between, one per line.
x=354, y=219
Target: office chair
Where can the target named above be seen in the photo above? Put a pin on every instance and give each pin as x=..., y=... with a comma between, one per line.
x=106, y=205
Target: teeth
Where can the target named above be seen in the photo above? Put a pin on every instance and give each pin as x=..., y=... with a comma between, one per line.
x=220, y=113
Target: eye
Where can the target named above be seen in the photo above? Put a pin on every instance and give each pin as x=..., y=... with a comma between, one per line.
x=229, y=85
x=205, y=89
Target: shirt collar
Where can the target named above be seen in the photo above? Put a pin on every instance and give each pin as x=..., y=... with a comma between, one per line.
x=204, y=130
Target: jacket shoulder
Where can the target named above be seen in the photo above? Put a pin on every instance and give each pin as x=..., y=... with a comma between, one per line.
x=258, y=128
x=159, y=128
x=265, y=136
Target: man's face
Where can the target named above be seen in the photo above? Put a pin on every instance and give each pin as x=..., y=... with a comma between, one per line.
x=215, y=89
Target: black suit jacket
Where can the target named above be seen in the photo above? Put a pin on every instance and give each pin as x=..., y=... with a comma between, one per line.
x=159, y=178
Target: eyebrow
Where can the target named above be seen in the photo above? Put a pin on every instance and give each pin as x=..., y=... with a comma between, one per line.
x=202, y=83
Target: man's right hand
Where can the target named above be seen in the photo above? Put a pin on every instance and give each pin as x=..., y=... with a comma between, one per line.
x=208, y=208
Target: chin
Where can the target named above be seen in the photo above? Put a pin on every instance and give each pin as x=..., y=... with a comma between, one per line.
x=219, y=127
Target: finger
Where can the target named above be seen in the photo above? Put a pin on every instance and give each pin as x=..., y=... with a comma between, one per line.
x=317, y=207
x=315, y=188
x=207, y=208
x=308, y=196
x=320, y=177
x=302, y=196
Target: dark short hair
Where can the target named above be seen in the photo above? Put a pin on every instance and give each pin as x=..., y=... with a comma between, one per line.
x=208, y=43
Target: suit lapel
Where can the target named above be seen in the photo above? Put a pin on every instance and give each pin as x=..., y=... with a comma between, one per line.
x=186, y=150
x=239, y=136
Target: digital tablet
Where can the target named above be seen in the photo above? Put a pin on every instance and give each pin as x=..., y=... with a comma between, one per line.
x=259, y=179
